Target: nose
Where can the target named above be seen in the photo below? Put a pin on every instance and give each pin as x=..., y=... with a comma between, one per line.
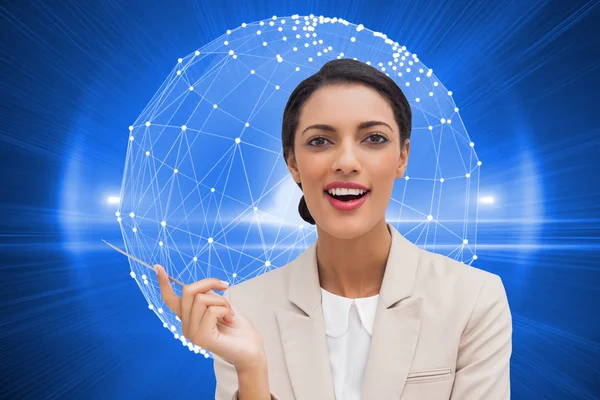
x=346, y=160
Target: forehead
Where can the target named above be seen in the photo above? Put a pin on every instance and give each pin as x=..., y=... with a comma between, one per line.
x=346, y=104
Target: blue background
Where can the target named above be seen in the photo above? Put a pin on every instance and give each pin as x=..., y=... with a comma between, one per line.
x=75, y=74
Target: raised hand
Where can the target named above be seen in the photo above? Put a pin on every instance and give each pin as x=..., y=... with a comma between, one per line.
x=208, y=320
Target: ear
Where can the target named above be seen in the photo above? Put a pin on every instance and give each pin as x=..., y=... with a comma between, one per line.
x=293, y=167
x=403, y=162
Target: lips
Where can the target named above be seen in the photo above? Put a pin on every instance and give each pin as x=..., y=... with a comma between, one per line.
x=347, y=185
x=349, y=205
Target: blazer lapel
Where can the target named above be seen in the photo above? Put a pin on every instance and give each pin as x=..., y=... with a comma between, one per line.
x=396, y=326
x=303, y=334
x=395, y=331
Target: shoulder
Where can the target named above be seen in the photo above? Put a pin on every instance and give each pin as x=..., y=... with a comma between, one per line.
x=440, y=269
x=453, y=283
x=268, y=288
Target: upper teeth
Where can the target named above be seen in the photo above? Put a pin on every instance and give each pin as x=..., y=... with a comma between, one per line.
x=344, y=191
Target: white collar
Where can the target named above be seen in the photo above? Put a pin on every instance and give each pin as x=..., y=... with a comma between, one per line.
x=336, y=310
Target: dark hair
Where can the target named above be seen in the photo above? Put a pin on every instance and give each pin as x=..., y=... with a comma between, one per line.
x=340, y=71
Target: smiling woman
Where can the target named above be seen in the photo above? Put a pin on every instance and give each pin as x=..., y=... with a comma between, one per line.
x=354, y=125
x=363, y=312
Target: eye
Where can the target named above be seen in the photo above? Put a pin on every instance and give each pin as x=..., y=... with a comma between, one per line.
x=379, y=138
x=317, y=141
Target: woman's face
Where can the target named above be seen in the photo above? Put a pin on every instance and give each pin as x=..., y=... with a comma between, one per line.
x=347, y=133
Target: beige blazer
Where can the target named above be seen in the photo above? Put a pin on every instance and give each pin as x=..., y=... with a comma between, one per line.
x=442, y=330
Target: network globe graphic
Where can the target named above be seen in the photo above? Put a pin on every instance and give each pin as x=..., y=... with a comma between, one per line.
x=205, y=189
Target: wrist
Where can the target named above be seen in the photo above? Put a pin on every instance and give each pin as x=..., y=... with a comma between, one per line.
x=259, y=362
x=253, y=380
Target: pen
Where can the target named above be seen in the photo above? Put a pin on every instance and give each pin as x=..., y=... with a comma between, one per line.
x=142, y=262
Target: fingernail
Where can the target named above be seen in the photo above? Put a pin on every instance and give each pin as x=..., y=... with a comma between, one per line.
x=225, y=283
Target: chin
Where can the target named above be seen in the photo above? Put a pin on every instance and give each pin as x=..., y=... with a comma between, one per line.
x=346, y=226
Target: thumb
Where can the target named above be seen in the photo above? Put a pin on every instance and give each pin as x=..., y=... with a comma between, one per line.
x=166, y=290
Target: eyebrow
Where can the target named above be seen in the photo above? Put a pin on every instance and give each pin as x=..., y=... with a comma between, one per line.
x=364, y=125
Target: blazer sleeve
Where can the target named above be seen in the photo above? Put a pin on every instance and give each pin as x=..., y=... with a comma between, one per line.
x=226, y=374
x=483, y=362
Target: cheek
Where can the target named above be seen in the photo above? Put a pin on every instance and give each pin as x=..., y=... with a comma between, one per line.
x=382, y=169
x=312, y=166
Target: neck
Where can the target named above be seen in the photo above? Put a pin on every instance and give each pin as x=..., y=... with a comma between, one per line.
x=354, y=267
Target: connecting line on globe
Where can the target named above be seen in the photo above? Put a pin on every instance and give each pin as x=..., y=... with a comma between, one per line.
x=142, y=262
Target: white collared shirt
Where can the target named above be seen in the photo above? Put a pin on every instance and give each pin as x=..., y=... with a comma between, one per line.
x=348, y=326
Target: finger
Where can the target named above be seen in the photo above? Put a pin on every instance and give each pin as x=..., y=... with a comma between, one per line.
x=210, y=292
x=202, y=302
x=209, y=321
x=187, y=297
x=166, y=291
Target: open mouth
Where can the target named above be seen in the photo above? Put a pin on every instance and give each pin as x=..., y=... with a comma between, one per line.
x=347, y=197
